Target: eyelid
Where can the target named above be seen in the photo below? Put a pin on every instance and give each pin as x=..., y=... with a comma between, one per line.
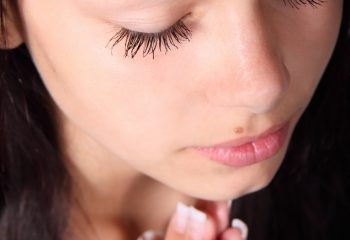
x=176, y=33
x=153, y=24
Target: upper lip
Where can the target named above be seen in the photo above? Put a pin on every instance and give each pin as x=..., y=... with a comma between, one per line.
x=248, y=139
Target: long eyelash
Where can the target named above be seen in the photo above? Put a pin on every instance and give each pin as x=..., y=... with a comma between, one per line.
x=297, y=3
x=172, y=36
x=150, y=41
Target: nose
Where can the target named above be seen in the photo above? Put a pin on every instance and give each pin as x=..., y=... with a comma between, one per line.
x=249, y=68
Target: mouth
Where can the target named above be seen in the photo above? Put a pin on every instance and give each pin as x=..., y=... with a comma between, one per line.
x=247, y=150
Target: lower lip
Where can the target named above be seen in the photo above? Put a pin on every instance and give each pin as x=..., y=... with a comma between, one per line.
x=249, y=153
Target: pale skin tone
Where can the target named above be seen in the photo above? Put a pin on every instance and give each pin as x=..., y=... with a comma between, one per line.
x=127, y=123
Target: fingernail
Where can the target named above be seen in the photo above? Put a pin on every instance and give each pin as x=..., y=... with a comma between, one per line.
x=241, y=226
x=197, y=224
x=151, y=235
x=182, y=217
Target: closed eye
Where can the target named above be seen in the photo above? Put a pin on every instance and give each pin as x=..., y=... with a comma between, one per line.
x=151, y=41
x=172, y=36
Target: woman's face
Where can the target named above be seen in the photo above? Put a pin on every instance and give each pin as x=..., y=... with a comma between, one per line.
x=248, y=66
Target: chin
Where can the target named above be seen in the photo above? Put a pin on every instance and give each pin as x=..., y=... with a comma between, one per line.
x=229, y=192
x=237, y=185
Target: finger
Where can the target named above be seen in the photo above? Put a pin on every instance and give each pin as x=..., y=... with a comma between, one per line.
x=188, y=223
x=231, y=234
x=241, y=226
x=238, y=231
x=151, y=235
x=219, y=211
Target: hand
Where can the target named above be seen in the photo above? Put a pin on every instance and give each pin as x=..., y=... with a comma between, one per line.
x=205, y=221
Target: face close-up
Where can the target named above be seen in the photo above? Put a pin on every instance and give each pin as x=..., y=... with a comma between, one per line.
x=241, y=69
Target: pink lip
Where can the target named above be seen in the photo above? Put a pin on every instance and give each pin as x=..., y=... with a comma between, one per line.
x=248, y=150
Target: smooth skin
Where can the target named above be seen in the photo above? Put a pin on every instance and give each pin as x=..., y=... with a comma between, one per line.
x=128, y=124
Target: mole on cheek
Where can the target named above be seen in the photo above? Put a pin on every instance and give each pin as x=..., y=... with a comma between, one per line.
x=239, y=130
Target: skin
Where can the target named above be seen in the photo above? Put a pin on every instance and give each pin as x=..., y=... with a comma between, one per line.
x=249, y=65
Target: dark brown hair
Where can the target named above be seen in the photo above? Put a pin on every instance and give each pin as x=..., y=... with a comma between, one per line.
x=34, y=184
x=306, y=200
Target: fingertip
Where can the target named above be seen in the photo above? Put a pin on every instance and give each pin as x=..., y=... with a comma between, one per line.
x=188, y=221
x=218, y=211
x=231, y=234
x=210, y=229
x=201, y=228
x=241, y=226
x=151, y=235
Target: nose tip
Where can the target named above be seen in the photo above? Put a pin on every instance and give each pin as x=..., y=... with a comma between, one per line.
x=257, y=88
x=266, y=87
x=263, y=99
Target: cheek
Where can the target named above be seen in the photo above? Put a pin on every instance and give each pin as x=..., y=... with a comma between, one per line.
x=127, y=107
